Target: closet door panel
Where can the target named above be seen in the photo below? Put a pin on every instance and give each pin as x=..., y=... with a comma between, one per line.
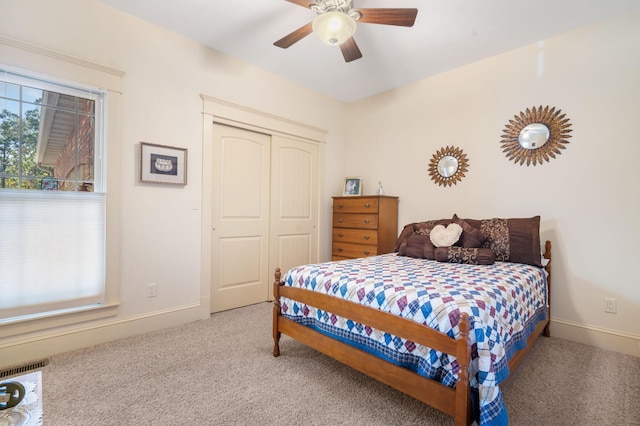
x=294, y=203
x=240, y=217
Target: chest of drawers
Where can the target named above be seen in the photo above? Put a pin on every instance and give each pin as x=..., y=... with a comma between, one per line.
x=364, y=226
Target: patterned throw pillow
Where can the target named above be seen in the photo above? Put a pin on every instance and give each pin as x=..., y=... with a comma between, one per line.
x=468, y=256
x=512, y=239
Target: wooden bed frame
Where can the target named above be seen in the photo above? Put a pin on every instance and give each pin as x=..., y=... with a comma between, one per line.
x=453, y=401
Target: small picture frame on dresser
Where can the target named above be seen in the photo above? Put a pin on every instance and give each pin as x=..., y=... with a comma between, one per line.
x=352, y=186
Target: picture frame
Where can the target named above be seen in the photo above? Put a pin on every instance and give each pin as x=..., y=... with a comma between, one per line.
x=352, y=186
x=163, y=164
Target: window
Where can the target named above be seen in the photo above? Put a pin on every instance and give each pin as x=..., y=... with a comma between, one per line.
x=52, y=196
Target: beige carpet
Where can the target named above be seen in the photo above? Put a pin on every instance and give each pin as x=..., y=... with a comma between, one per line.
x=221, y=372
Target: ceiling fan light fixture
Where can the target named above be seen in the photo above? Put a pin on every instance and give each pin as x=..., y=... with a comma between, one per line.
x=334, y=28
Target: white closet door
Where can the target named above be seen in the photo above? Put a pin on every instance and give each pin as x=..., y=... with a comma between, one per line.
x=240, y=217
x=294, y=203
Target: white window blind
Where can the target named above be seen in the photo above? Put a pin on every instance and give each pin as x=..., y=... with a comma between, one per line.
x=52, y=196
x=52, y=251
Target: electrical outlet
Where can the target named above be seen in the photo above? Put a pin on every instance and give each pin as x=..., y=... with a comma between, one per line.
x=152, y=290
x=610, y=305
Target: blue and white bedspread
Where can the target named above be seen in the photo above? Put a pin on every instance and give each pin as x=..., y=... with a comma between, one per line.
x=504, y=301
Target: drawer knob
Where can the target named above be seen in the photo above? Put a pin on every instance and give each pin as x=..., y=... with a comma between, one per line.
x=340, y=235
x=340, y=250
x=367, y=205
x=366, y=221
x=340, y=220
x=366, y=237
x=366, y=253
x=340, y=206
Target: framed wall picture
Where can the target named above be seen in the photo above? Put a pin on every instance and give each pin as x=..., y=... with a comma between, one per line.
x=163, y=164
x=352, y=186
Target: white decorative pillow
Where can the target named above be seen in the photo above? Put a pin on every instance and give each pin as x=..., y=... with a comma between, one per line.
x=445, y=237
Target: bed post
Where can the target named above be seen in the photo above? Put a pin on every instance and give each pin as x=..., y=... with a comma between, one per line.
x=547, y=255
x=276, y=312
x=463, y=388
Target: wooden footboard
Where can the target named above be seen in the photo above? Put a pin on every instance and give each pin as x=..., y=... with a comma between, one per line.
x=453, y=401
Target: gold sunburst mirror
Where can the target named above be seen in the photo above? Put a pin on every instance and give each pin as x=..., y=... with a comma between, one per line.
x=535, y=135
x=448, y=166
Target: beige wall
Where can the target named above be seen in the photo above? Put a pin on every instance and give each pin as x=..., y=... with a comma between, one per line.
x=159, y=232
x=588, y=197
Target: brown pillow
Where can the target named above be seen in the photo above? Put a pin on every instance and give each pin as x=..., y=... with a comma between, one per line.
x=429, y=251
x=418, y=228
x=513, y=239
x=468, y=256
x=402, y=249
x=417, y=246
x=471, y=237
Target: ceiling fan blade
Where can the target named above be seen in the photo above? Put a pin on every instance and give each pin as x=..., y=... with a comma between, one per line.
x=303, y=3
x=400, y=17
x=350, y=50
x=294, y=36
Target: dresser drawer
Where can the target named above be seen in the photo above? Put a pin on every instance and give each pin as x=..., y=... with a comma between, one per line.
x=357, y=220
x=350, y=250
x=358, y=236
x=364, y=226
x=355, y=205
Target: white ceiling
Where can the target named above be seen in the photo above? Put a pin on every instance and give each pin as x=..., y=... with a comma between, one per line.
x=447, y=34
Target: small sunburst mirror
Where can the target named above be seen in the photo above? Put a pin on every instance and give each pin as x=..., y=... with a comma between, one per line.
x=448, y=166
x=535, y=135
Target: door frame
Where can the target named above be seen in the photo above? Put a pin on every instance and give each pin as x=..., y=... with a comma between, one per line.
x=219, y=111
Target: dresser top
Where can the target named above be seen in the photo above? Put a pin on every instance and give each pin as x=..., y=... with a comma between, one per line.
x=363, y=196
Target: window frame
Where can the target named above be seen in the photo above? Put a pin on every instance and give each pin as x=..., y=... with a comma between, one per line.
x=99, y=96
x=13, y=328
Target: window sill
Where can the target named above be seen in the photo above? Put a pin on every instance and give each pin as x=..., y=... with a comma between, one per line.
x=30, y=324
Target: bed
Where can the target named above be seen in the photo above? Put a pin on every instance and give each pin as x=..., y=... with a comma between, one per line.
x=445, y=325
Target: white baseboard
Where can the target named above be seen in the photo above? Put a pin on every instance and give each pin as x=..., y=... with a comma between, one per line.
x=21, y=352
x=35, y=348
x=595, y=336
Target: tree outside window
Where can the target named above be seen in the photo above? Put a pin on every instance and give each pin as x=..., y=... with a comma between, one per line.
x=47, y=140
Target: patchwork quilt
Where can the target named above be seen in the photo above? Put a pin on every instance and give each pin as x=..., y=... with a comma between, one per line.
x=504, y=301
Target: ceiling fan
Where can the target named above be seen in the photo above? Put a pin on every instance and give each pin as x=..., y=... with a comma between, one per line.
x=336, y=23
